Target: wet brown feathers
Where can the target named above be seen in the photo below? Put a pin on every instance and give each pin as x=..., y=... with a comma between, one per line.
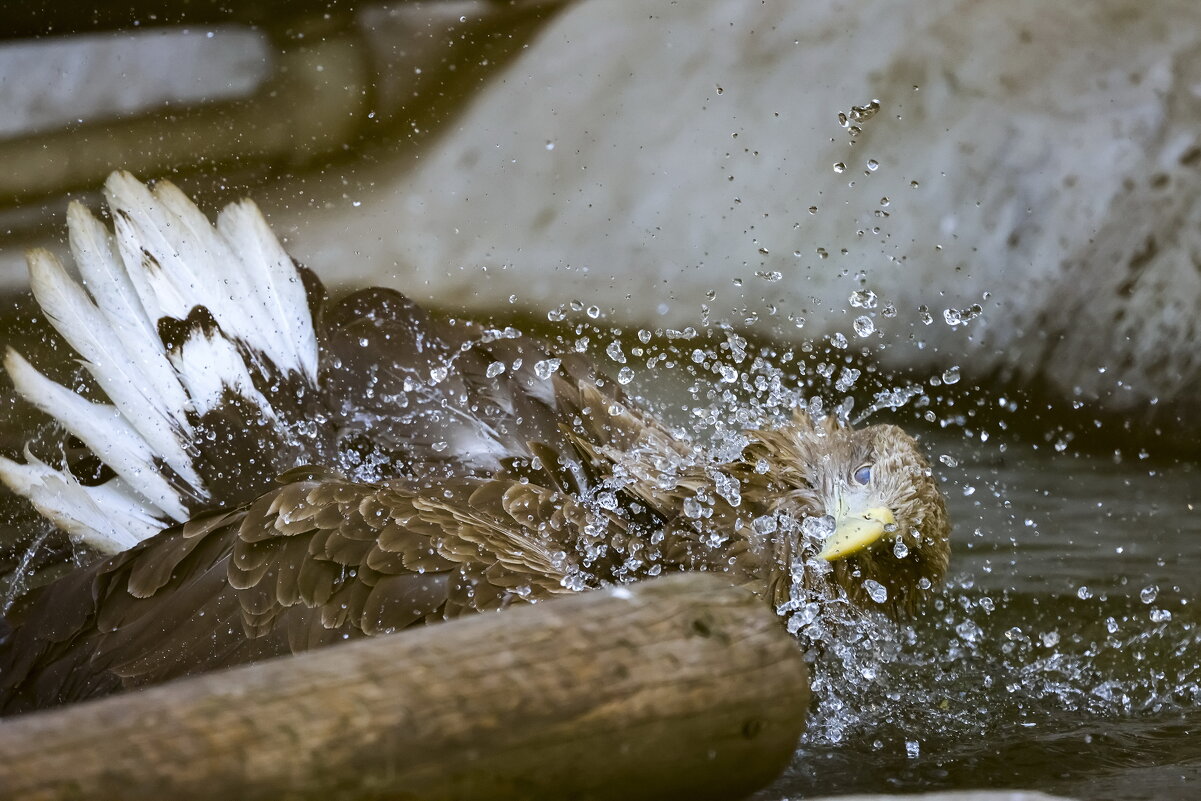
x=392, y=499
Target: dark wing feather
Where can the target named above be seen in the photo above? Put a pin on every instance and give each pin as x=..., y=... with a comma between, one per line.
x=314, y=561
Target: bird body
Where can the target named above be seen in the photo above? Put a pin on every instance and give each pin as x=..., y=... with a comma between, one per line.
x=282, y=472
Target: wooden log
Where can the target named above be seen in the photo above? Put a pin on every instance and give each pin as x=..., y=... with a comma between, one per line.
x=680, y=687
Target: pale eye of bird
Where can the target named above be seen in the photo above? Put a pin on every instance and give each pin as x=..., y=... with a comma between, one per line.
x=863, y=474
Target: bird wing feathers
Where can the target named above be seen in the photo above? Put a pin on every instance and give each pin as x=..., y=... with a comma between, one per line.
x=315, y=560
x=180, y=324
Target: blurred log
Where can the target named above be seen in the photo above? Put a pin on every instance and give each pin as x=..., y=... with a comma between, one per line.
x=677, y=688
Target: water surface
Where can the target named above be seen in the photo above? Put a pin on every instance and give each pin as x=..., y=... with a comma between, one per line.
x=1064, y=654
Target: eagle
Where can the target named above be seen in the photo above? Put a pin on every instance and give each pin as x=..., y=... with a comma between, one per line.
x=271, y=471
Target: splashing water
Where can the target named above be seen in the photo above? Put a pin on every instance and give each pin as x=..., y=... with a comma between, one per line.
x=1012, y=676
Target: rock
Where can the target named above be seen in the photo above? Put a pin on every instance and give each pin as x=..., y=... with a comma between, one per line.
x=1031, y=178
x=1041, y=166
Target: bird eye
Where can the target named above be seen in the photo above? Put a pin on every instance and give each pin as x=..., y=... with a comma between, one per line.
x=863, y=474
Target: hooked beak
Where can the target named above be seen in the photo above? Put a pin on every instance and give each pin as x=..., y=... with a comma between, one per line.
x=857, y=530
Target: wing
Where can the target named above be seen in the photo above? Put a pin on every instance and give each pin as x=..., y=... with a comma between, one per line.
x=200, y=336
x=315, y=561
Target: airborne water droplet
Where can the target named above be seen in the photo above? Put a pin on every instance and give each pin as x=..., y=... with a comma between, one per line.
x=495, y=369
x=864, y=326
x=863, y=299
x=764, y=525
x=545, y=368
x=877, y=591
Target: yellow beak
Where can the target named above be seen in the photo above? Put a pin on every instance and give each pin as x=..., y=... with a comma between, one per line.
x=855, y=532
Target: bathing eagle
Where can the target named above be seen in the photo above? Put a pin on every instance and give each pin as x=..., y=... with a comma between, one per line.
x=272, y=471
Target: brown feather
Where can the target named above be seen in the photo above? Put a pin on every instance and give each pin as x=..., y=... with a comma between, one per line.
x=551, y=485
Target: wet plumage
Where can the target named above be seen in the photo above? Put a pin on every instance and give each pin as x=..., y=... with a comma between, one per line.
x=369, y=468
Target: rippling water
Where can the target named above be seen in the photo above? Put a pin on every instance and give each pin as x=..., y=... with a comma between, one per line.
x=1063, y=655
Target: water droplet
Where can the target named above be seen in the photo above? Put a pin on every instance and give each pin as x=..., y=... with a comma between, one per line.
x=1149, y=594
x=875, y=590
x=593, y=312
x=840, y=167
x=969, y=632
x=438, y=374
x=625, y=375
x=818, y=529
x=1160, y=616
x=495, y=369
x=957, y=317
x=728, y=488
x=546, y=367
x=606, y=500
x=839, y=340
x=899, y=549
x=693, y=508
x=864, y=326
x=1084, y=593
x=873, y=165
x=765, y=525
x=846, y=380
x=614, y=352
x=950, y=375
x=863, y=299
x=923, y=314
x=949, y=461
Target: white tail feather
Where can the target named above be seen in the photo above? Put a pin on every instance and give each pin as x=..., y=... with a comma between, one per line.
x=164, y=260
x=277, y=285
x=107, y=282
x=73, y=314
x=108, y=518
x=103, y=429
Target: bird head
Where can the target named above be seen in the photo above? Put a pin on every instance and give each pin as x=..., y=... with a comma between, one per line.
x=873, y=496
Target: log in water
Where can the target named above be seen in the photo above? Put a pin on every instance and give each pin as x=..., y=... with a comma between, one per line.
x=680, y=687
